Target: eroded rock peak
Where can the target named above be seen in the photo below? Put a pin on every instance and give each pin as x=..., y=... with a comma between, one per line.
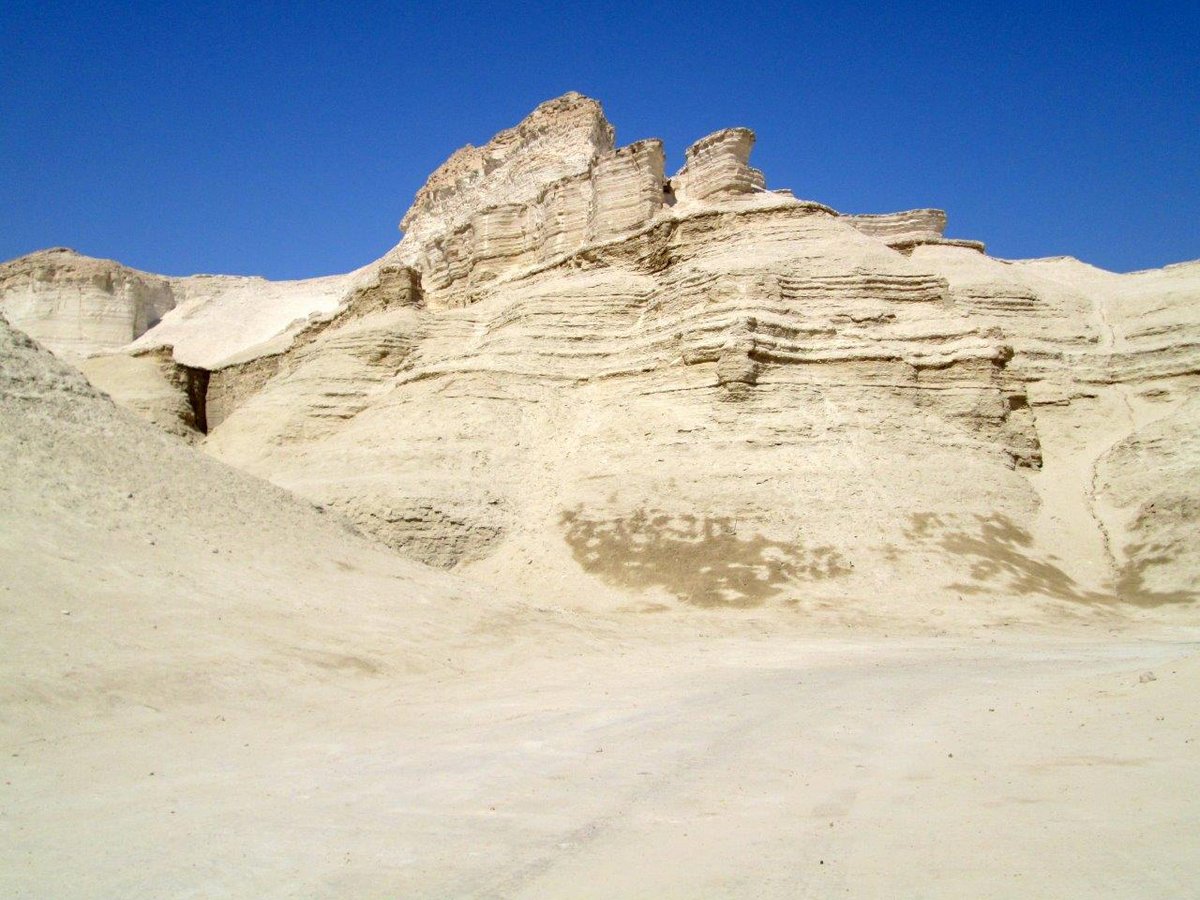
x=561, y=137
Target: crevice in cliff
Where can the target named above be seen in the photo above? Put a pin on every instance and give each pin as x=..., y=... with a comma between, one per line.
x=213, y=394
x=668, y=189
x=191, y=385
x=195, y=383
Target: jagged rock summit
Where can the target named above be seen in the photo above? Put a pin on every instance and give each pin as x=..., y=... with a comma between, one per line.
x=600, y=383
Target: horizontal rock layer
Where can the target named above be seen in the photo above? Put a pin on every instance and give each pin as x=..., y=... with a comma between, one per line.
x=76, y=305
x=578, y=376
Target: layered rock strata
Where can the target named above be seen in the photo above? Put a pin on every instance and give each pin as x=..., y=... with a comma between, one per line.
x=579, y=376
x=76, y=305
x=718, y=168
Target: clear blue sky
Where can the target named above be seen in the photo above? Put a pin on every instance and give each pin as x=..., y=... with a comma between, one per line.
x=288, y=139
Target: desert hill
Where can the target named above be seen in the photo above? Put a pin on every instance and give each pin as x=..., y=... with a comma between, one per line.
x=210, y=687
x=580, y=377
x=794, y=553
x=138, y=570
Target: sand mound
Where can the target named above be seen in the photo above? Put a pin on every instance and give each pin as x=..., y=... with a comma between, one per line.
x=134, y=570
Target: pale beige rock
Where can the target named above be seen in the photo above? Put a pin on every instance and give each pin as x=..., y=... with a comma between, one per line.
x=150, y=385
x=208, y=685
x=912, y=224
x=77, y=305
x=699, y=390
x=805, y=616
x=718, y=168
x=561, y=138
x=219, y=317
x=905, y=231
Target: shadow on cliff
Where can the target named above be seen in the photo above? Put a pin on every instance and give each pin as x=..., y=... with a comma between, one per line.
x=702, y=561
x=1001, y=556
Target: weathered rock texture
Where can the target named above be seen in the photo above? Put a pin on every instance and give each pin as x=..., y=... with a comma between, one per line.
x=76, y=305
x=718, y=168
x=580, y=376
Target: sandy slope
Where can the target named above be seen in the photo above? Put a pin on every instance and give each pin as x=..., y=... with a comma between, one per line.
x=118, y=538
x=211, y=689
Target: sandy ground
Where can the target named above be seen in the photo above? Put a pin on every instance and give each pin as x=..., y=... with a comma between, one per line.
x=760, y=598
x=209, y=688
x=732, y=764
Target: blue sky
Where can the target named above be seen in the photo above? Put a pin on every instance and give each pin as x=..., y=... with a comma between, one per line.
x=288, y=139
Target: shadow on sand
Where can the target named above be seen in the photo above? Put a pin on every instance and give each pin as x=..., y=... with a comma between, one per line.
x=1002, y=556
x=702, y=561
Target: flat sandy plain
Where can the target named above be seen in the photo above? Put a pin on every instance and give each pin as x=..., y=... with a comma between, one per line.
x=688, y=762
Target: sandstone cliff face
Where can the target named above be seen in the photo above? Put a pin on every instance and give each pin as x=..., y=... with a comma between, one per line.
x=76, y=305
x=718, y=168
x=580, y=376
x=559, y=139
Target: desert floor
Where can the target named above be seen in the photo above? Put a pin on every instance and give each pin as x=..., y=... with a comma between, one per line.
x=209, y=688
x=688, y=761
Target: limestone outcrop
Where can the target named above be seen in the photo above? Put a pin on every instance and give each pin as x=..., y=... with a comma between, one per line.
x=718, y=168
x=619, y=194
x=76, y=305
x=579, y=376
x=561, y=138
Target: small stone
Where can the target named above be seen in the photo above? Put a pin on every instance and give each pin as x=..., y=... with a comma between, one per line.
x=1147, y=677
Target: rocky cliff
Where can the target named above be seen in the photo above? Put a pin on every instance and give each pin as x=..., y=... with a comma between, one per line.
x=76, y=305
x=580, y=375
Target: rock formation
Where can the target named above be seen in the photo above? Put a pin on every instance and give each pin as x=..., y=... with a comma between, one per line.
x=76, y=305
x=583, y=377
x=718, y=168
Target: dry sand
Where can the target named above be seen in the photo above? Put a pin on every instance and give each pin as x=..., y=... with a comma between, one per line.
x=693, y=765
x=795, y=554
x=210, y=689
